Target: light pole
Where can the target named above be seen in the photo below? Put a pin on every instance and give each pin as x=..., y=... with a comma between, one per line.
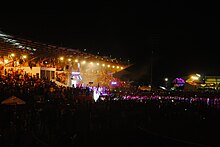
x=166, y=82
x=151, y=70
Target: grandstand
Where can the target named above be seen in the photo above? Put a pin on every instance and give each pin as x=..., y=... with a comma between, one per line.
x=67, y=66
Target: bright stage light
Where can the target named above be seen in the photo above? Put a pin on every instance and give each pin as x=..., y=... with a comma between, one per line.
x=6, y=61
x=96, y=94
x=24, y=56
x=198, y=75
x=61, y=58
x=194, y=77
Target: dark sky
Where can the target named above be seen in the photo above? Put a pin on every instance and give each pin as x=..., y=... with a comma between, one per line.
x=183, y=35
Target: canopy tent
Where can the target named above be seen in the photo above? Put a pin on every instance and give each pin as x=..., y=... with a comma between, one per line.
x=13, y=100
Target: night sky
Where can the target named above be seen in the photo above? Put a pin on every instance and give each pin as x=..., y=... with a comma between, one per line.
x=183, y=35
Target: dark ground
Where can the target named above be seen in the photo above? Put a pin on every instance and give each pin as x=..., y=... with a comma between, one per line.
x=117, y=124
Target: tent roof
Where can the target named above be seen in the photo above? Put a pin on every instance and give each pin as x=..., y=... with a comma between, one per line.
x=13, y=100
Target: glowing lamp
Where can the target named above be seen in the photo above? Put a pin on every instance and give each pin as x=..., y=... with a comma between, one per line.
x=24, y=56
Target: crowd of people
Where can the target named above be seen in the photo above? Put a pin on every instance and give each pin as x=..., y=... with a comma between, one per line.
x=59, y=116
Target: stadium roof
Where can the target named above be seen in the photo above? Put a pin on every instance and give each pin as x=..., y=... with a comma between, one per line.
x=9, y=43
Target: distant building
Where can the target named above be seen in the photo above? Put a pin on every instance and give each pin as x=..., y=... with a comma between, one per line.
x=203, y=82
x=212, y=82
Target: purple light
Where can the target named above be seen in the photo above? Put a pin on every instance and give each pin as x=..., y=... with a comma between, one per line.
x=179, y=81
